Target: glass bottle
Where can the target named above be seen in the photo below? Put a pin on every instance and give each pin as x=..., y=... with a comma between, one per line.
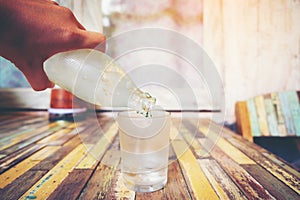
x=94, y=77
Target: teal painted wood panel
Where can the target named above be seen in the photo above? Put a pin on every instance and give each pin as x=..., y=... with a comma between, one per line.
x=284, y=102
x=271, y=118
x=253, y=117
x=294, y=109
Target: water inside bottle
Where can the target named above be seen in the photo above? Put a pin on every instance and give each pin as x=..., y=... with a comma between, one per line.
x=94, y=77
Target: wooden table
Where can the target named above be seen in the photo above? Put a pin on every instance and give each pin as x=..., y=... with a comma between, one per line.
x=63, y=160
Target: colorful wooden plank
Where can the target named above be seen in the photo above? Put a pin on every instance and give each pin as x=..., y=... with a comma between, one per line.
x=96, y=130
x=176, y=187
x=18, y=127
x=243, y=120
x=10, y=119
x=21, y=184
x=200, y=187
x=279, y=114
x=277, y=188
x=62, y=152
x=53, y=138
x=32, y=137
x=118, y=190
x=278, y=170
x=100, y=183
x=251, y=188
x=238, y=156
x=16, y=137
x=219, y=179
x=255, y=129
x=261, y=115
x=72, y=185
x=50, y=181
x=191, y=140
x=294, y=107
x=288, y=118
x=271, y=118
x=18, y=156
x=97, y=150
x=150, y=195
x=13, y=173
x=281, y=163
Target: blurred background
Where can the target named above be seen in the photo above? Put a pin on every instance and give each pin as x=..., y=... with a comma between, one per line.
x=255, y=44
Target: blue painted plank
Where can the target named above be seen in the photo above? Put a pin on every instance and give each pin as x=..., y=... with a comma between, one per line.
x=271, y=118
x=284, y=102
x=295, y=109
x=253, y=118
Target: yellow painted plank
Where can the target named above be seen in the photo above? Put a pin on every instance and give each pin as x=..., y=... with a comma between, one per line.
x=261, y=115
x=198, y=181
x=174, y=134
x=193, y=141
x=20, y=154
x=222, y=183
x=16, y=171
x=50, y=181
x=215, y=185
x=54, y=136
x=238, y=156
x=99, y=148
x=196, y=177
x=243, y=120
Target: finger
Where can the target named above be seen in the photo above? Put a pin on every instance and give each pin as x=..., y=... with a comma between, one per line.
x=53, y=2
x=37, y=78
x=93, y=40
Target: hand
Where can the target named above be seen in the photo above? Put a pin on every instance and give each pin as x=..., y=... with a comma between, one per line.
x=33, y=30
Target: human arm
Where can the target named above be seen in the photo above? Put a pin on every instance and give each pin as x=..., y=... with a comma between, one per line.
x=33, y=30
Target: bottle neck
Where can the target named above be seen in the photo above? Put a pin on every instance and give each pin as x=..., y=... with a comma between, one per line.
x=141, y=101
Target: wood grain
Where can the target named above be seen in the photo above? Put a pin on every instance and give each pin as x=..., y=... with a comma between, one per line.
x=21, y=184
x=270, y=114
x=294, y=107
x=16, y=171
x=59, y=165
x=279, y=115
x=219, y=179
x=72, y=185
x=261, y=115
x=50, y=181
x=176, y=187
x=100, y=182
x=280, y=171
x=255, y=129
x=277, y=188
x=198, y=183
x=288, y=118
x=18, y=156
x=243, y=120
x=248, y=184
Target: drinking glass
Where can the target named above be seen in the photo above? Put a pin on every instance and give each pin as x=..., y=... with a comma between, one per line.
x=144, y=143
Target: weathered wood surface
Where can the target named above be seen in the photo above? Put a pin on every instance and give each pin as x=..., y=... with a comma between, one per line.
x=64, y=160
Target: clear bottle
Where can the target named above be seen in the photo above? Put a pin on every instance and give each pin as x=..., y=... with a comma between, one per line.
x=94, y=77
